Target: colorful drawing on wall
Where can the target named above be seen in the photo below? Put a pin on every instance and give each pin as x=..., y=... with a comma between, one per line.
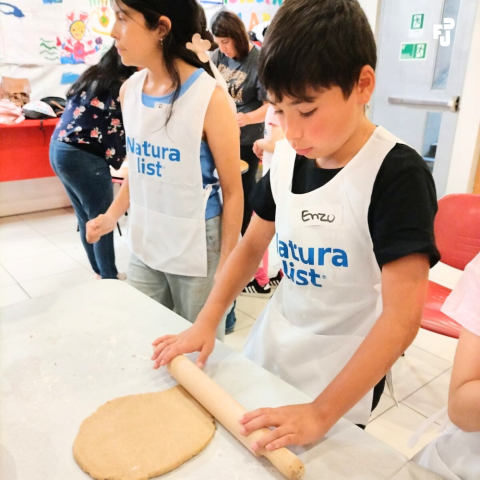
x=48, y=50
x=8, y=9
x=52, y=1
x=79, y=46
x=68, y=78
x=102, y=17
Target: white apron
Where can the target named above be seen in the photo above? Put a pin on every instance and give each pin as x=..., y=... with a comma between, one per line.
x=454, y=455
x=330, y=296
x=167, y=198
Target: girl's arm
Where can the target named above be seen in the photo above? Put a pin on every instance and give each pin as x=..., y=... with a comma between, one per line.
x=106, y=223
x=223, y=138
x=464, y=395
x=269, y=145
x=257, y=116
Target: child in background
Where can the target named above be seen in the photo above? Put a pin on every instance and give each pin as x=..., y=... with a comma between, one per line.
x=455, y=454
x=268, y=276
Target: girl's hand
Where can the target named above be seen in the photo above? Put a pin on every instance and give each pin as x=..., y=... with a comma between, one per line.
x=257, y=150
x=99, y=226
x=294, y=425
x=197, y=338
x=243, y=119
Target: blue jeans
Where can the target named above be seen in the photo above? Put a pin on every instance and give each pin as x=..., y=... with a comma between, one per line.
x=88, y=183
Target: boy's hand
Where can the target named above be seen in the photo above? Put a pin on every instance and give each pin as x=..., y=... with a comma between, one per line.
x=294, y=425
x=257, y=150
x=197, y=338
x=99, y=226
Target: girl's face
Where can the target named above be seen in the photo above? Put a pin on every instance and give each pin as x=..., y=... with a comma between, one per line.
x=226, y=46
x=136, y=44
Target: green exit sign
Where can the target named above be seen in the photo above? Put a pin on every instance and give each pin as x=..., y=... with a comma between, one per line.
x=413, y=51
x=417, y=21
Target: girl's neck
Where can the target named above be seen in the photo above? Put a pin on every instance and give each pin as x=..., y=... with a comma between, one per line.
x=158, y=82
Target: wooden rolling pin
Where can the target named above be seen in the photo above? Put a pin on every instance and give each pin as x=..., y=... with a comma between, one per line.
x=227, y=411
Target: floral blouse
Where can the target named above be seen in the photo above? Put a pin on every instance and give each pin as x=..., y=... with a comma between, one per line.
x=95, y=125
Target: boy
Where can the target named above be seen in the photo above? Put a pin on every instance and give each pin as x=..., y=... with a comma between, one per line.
x=352, y=211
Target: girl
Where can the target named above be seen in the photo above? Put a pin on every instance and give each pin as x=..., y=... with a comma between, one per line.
x=179, y=128
x=89, y=138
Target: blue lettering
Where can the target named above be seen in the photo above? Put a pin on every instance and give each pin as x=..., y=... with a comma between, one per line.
x=159, y=167
x=155, y=152
x=174, y=155
x=143, y=165
x=131, y=144
x=321, y=255
x=164, y=149
x=150, y=169
x=311, y=253
x=313, y=276
x=138, y=150
x=301, y=279
x=292, y=249
x=282, y=249
x=145, y=148
x=340, y=258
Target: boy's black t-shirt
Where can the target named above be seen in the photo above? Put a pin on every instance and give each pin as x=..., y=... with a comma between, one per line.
x=402, y=208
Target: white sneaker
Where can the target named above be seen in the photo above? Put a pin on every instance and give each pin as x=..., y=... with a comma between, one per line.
x=253, y=289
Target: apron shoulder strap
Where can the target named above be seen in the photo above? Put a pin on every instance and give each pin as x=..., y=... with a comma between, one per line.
x=281, y=171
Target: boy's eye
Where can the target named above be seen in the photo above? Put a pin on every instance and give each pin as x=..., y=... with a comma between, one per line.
x=278, y=112
x=308, y=114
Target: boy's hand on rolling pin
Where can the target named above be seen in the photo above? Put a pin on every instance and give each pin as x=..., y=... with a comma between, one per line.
x=294, y=425
x=98, y=227
x=197, y=338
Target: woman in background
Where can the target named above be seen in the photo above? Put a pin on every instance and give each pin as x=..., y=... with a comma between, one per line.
x=88, y=139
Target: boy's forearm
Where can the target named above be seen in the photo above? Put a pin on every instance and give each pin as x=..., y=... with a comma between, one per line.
x=266, y=145
x=385, y=343
x=463, y=407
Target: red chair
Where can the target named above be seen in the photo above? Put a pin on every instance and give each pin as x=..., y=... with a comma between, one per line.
x=457, y=234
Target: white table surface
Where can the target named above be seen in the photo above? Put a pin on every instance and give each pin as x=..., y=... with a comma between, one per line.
x=64, y=355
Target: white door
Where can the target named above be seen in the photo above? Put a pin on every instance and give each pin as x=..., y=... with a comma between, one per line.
x=422, y=59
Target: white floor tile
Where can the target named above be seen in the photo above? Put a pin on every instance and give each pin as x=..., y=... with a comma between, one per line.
x=122, y=264
x=17, y=248
x=252, y=306
x=236, y=340
x=243, y=320
x=79, y=255
x=439, y=345
x=386, y=403
x=121, y=249
x=13, y=228
x=445, y=275
x=415, y=370
x=40, y=266
x=396, y=426
x=6, y=278
x=432, y=397
x=12, y=294
x=66, y=240
x=54, y=283
x=51, y=221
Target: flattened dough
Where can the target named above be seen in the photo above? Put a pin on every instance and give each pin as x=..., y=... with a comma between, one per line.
x=142, y=436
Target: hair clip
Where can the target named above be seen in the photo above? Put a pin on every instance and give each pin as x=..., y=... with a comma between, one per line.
x=200, y=47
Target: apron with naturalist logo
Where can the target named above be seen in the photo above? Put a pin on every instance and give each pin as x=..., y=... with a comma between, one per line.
x=330, y=296
x=167, y=198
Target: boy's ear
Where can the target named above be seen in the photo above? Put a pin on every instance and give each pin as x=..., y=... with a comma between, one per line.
x=365, y=85
x=164, y=27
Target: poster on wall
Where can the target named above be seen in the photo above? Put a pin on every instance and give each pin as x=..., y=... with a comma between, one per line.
x=252, y=12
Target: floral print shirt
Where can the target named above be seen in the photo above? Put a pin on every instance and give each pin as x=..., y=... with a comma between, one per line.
x=95, y=125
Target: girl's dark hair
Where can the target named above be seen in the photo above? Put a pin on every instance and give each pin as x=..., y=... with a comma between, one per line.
x=316, y=44
x=228, y=25
x=185, y=17
x=107, y=75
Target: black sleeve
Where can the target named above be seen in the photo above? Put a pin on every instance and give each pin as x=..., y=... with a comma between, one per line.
x=263, y=203
x=403, y=207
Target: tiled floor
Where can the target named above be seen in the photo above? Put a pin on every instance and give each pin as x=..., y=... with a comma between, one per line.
x=41, y=253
